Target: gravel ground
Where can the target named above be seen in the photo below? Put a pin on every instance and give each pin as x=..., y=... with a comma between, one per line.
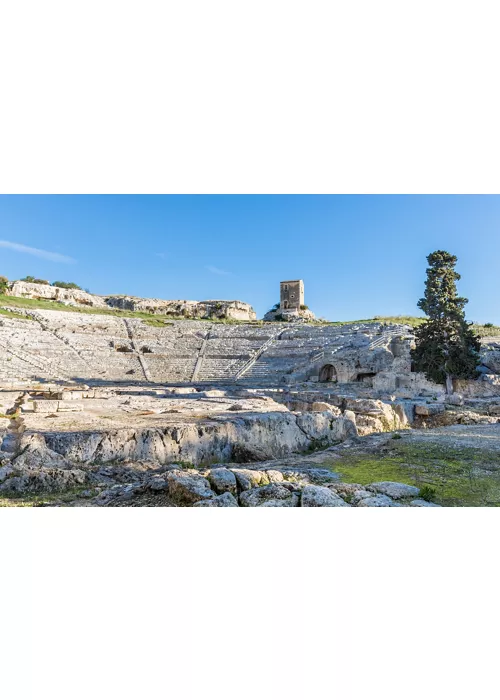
x=481, y=437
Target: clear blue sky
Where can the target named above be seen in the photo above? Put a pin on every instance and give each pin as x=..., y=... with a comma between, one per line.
x=359, y=256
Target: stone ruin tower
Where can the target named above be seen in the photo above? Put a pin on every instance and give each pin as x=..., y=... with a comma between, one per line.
x=291, y=295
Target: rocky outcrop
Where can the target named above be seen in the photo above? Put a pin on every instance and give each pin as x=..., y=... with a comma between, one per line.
x=238, y=310
x=220, y=309
x=225, y=500
x=71, y=297
x=290, y=315
x=248, y=438
x=321, y=497
x=187, y=489
x=268, y=496
x=42, y=473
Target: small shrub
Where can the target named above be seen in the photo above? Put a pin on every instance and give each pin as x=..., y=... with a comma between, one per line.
x=4, y=282
x=489, y=325
x=427, y=493
x=66, y=285
x=304, y=307
x=397, y=436
x=34, y=280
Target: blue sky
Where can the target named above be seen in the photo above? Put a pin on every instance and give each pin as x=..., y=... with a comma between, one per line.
x=359, y=256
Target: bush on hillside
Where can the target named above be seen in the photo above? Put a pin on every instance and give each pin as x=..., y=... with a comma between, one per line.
x=66, y=285
x=4, y=282
x=34, y=280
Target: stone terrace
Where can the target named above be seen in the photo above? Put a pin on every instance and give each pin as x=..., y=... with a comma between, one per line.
x=57, y=345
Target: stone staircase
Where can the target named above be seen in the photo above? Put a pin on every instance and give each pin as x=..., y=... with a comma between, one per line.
x=259, y=352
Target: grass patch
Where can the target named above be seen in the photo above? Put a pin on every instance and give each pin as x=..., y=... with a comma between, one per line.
x=486, y=331
x=12, y=314
x=458, y=477
x=27, y=500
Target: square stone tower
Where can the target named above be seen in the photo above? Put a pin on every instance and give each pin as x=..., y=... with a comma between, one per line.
x=291, y=294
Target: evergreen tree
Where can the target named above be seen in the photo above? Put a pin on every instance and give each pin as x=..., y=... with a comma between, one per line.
x=446, y=346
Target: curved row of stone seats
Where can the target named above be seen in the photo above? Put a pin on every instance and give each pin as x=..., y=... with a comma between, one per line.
x=69, y=345
x=214, y=369
x=170, y=369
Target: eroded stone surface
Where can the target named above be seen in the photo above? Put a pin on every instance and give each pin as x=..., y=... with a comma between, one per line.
x=188, y=489
x=224, y=500
x=222, y=480
x=258, y=496
x=321, y=497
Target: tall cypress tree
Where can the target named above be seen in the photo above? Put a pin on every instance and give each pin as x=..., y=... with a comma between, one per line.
x=446, y=346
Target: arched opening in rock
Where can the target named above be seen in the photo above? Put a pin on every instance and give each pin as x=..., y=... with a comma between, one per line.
x=328, y=373
x=123, y=348
x=285, y=305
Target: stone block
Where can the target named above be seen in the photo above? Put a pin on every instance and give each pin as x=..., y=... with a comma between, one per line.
x=429, y=409
x=45, y=406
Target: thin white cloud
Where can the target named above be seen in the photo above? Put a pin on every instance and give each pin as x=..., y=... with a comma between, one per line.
x=216, y=270
x=37, y=252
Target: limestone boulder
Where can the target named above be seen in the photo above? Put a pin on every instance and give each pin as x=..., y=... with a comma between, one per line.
x=429, y=409
x=256, y=497
x=249, y=478
x=5, y=472
x=186, y=489
x=359, y=495
x=274, y=476
x=291, y=502
x=420, y=503
x=222, y=480
x=43, y=481
x=321, y=497
x=224, y=500
x=34, y=454
x=379, y=501
x=394, y=489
